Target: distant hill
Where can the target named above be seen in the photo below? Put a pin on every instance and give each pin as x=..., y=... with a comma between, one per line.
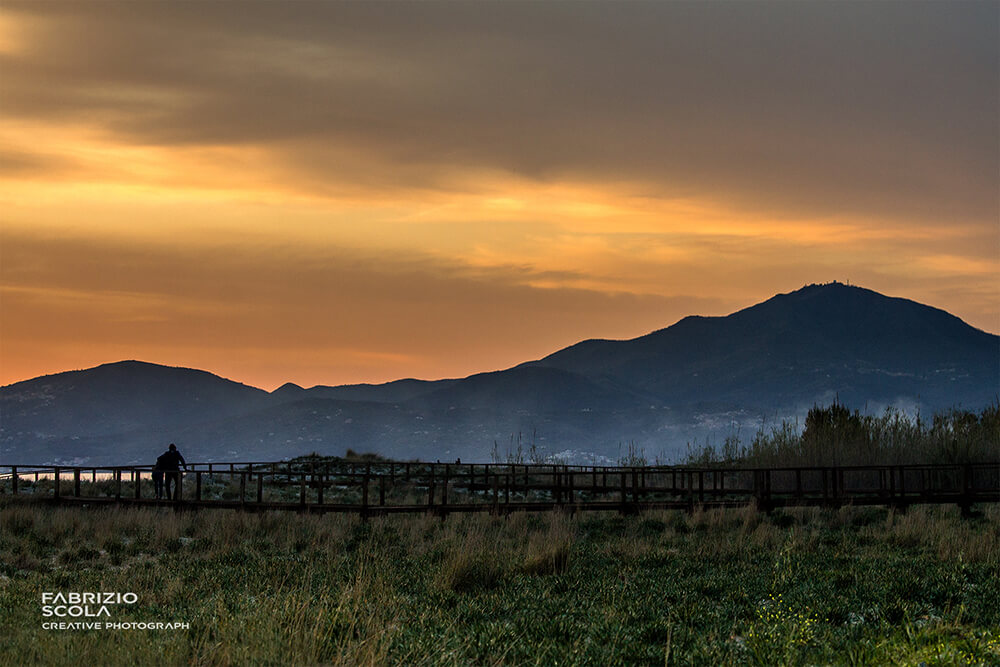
x=703, y=377
x=821, y=339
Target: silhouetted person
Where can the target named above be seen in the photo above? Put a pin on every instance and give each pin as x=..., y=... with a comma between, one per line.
x=170, y=462
x=158, y=477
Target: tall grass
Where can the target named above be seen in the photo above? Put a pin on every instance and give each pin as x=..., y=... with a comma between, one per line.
x=739, y=587
x=834, y=435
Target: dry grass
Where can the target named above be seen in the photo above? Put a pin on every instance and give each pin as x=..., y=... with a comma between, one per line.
x=286, y=588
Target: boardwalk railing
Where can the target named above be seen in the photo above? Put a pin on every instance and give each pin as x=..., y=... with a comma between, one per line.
x=373, y=488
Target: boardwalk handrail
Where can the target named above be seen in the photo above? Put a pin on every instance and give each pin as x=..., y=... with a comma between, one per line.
x=379, y=487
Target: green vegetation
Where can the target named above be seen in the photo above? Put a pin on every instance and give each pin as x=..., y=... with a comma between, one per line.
x=851, y=586
x=836, y=436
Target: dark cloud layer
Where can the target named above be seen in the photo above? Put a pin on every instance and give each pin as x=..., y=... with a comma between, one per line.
x=885, y=110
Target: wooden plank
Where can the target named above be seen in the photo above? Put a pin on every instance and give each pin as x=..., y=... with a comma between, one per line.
x=444, y=490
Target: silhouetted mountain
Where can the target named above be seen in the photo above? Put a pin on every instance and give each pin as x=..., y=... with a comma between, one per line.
x=702, y=377
x=123, y=396
x=821, y=339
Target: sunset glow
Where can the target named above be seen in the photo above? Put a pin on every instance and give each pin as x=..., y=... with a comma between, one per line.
x=327, y=193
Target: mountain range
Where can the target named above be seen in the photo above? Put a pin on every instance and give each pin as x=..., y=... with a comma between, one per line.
x=700, y=379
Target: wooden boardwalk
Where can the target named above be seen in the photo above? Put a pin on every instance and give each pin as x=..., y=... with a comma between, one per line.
x=379, y=488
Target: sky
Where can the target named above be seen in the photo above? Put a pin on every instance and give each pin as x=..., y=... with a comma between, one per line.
x=340, y=192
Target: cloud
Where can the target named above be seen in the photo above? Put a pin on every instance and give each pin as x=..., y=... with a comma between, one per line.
x=345, y=310
x=455, y=187
x=884, y=110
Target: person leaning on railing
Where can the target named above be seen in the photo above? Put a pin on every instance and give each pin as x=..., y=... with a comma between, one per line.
x=169, y=462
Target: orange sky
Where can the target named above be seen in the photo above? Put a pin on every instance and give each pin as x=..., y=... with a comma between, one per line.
x=328, y=193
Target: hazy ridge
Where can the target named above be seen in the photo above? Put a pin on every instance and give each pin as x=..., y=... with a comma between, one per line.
x=703, y=377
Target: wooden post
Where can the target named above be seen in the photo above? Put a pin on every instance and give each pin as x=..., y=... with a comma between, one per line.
x=506, y=491
x=302, y=488
x=444, y=491
x=76, y=482
x=701, y=486
x=496, y=494
x=635, y=485
x=621, y=475
x=381, y=490
x=13, y=480
x=56, y=485
x=197, y=485
x=430, y=489
x=569, y=479
x=179, y=491
x=758, y=489
x=260, y=487
x=118, y=484
x=243, y=488
x=319, y=488
x=965, y=501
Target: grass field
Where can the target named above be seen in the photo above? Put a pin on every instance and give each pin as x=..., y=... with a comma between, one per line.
x=848, y=586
